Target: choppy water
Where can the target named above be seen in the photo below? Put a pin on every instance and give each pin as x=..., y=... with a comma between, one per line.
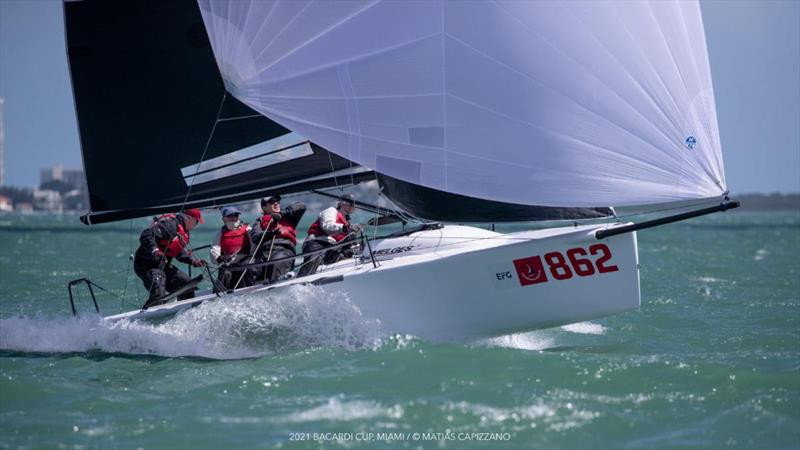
x=712, y=359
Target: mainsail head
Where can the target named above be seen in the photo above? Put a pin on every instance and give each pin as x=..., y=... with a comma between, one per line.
x=577, y=104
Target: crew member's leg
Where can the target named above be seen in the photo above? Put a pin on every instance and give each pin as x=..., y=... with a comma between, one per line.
x=243, y=278
x=177, y=279
x=225, y=279
x=312, y=262
x=282, y=268
x=340, y=253
x=154, y=281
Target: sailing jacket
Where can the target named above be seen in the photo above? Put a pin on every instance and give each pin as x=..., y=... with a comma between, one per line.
x=285, y=231
x=331, y=226
x=168, y=234
x=231, y=242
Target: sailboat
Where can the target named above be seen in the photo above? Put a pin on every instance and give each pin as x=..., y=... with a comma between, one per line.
x=462, y=111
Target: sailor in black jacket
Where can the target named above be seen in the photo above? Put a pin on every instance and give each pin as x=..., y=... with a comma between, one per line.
x=166, y=238
x=277, y=234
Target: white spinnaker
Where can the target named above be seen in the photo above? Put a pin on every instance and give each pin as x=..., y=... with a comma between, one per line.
x=532, y=102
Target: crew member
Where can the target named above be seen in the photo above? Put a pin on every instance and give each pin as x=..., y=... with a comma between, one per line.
x=331, y=227
x=277, y=233
x=230, y=248
x=167, y=238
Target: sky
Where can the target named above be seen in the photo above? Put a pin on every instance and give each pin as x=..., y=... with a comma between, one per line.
x=754, y=48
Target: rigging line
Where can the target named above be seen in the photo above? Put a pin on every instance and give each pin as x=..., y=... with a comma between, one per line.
x=408, y=217
x=333, y=171
x=377, y=203
x=691, y=205
x=106, y=290
x=352, y=175
x=251, y=116
x=202, y=158
x=205, y=150
x=130, y=260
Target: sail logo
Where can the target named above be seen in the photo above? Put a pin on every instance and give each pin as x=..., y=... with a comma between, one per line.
x=530, y=270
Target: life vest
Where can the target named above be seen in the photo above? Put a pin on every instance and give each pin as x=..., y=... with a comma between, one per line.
x=285, y=228
x=173, y=247
x=316, y=228
x=233, y=241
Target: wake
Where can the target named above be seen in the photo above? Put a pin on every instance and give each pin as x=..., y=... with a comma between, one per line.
x=240, y=326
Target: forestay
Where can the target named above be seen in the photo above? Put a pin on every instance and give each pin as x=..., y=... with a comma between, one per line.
x=538, y=103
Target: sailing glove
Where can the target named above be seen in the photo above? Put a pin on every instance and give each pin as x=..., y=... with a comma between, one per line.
x=222, y=259
x=158, y=255
x=198, y=263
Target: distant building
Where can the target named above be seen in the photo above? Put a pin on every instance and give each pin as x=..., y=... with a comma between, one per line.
x=74, y=178
x=5, y=204
x=70, y=184
x=24, y=208
x=75, y=200
x=47, y=200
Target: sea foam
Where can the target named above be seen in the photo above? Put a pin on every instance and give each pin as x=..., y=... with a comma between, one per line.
x=239, y=326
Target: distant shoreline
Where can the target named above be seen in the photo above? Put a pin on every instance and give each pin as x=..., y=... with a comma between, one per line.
x=769, y=202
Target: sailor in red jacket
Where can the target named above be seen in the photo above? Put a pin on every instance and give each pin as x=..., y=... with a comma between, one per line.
x=331, y=227
x=277, y=233
x=167, y=238
x=230, y=248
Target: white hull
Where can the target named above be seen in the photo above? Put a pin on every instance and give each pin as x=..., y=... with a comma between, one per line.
x=460, y=283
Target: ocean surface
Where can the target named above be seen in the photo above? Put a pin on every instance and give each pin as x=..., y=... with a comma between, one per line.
x=712, y=359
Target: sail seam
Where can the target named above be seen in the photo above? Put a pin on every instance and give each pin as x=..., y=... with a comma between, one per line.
x=360, y=57
x=611, y=90
x=577, y=104
x=673, y=106
x=313, y=38
x=631, y=78
x=285, y=27
x=556, y=133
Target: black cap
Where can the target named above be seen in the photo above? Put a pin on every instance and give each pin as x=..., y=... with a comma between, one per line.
x=270, y=199
x=347, y=198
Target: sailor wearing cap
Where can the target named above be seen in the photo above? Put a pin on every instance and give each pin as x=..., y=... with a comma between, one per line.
x=331, y=227
x=166, y=238
x=277, y=233
x=231, y=246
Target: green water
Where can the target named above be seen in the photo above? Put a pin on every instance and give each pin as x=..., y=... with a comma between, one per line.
x=712, y=359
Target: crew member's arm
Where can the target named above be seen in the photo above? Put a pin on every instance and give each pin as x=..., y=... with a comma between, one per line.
x=248, y=247
x=257, y=235
x=216, y=249
x=328, y=221
x=159, y=231
x=186, y=256
x=294, y=212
